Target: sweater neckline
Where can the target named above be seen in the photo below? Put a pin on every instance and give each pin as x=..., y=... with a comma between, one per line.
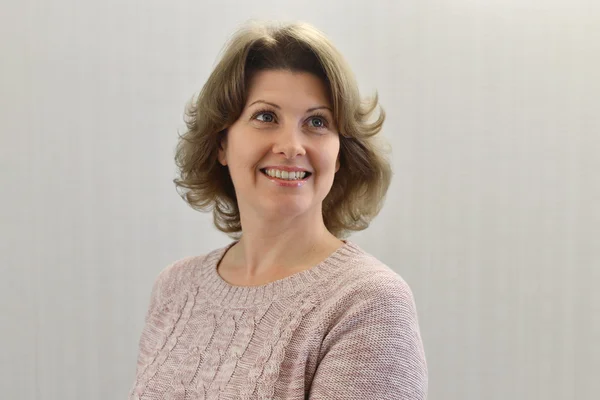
x=220, y=291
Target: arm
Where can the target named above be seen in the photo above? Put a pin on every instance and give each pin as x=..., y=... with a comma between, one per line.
x=149, y=336
x=374, y=350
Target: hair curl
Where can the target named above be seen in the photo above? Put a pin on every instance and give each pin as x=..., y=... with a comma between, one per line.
x=360, y=185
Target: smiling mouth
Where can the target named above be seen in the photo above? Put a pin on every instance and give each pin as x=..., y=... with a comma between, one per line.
x=286, y=176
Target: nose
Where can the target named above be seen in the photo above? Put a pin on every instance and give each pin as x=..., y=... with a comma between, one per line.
x=289, y=142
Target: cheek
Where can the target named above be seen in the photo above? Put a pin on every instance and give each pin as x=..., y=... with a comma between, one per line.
x=244, y=159
x=327, y=157
x=239, y=152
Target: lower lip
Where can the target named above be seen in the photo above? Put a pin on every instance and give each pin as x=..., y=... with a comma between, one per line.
x=286, y=183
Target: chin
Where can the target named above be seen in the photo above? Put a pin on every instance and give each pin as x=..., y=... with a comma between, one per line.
x=287, y=207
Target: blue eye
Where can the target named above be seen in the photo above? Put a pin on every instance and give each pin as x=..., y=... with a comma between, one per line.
x=266, y=116
x=317, y=122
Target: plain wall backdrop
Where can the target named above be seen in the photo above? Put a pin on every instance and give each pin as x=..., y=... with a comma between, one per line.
x=493, y=216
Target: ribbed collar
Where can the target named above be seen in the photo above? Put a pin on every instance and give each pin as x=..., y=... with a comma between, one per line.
x=226, y=294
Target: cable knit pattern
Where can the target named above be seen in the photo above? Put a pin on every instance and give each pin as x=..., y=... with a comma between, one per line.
x=346, y=328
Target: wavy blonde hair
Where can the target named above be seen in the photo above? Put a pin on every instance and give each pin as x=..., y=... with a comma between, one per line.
x=360, y=185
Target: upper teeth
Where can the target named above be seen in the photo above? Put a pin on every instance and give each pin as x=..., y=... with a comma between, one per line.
x=275, y=173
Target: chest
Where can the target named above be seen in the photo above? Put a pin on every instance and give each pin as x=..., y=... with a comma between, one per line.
x=192, y=349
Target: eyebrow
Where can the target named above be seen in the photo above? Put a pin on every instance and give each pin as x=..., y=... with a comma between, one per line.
x=279, y=108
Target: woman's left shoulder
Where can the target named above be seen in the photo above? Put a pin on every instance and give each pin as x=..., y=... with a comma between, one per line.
x=369, y=268
x=366, y=277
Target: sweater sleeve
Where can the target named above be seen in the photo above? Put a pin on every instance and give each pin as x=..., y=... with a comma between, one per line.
x=159, y=294
x=161, y=288
x=374, y=348
x=156, y=293
x=165, y=283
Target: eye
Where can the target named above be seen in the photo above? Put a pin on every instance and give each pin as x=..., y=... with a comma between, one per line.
x=264, y=116
x=318, y=122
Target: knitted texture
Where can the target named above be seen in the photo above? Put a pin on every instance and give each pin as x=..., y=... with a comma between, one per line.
x=346, y=328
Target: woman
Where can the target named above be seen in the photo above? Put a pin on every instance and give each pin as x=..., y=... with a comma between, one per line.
x=279, y=147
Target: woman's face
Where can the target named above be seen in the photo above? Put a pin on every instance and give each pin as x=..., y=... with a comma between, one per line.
x=282, y=152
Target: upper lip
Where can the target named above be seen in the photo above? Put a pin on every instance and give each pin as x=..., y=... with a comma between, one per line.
x=286, y=168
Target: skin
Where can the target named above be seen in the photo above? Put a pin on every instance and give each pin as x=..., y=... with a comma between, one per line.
x=283, y=228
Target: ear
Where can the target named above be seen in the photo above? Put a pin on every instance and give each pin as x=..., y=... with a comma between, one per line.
x=337, y=163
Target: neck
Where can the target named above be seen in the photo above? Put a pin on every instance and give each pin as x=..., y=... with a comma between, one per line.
x=272, y=247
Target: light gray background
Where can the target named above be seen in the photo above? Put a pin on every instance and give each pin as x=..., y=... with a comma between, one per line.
x=492, y=218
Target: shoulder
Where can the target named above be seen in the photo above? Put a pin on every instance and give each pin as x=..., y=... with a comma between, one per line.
x=365, y=275
x=364, y=285
x=368, y=317
x=175, y=278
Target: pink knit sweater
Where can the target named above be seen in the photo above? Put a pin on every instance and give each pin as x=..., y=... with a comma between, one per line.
x=345, y=329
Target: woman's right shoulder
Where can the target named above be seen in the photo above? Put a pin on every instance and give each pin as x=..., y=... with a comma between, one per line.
x=179, y=272
x=175, y=277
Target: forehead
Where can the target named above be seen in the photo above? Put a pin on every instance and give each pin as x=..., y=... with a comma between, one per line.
x=289, y=88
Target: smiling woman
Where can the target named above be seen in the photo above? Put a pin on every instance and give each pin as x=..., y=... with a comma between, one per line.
x=265, y=148
x=357, y=194
x=279, y=146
